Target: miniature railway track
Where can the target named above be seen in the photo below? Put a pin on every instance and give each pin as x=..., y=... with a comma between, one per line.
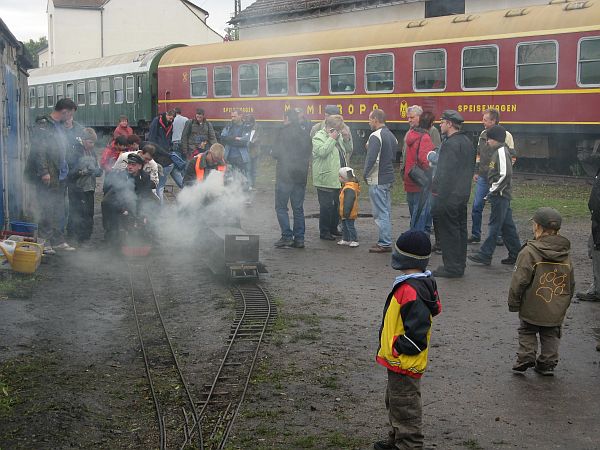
x=176, y=411
x=221, y=400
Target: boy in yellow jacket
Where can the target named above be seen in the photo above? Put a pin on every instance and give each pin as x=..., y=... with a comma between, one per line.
x=540, y=291
x=348, y=206
x=404, y=339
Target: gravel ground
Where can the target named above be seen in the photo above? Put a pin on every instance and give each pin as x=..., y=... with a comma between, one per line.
x=70, y=357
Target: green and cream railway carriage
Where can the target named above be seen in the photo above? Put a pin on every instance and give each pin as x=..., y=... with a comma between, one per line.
x=103, y=88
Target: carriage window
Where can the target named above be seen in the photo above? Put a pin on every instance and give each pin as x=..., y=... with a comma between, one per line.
x=40, y=96
x=32, y=99
x=59, y=91
x=480, y=67
x=277, y=78
x=589, y=62
x=198, y=82
x=379, y=70
x=429, y=73
x=308, y=77
x=248, y=74
x=342, y=75
x=70, y=91
x=222, y=81
x=118, y=89
x=49, y=95
x=81, y=92
x=129, y=89
x=537, y=64
x=105, y=91
x=93, y=92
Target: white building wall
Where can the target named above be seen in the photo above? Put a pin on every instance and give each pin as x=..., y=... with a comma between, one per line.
x=162, y=23
x=44, y=58
x=472, y=6
x=339, y=20
x=75, y=35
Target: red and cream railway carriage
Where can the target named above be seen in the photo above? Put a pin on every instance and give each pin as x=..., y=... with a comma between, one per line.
x=540, y=66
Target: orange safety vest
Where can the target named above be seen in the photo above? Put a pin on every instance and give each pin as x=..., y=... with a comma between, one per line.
x=200, y=170
x=356, y=188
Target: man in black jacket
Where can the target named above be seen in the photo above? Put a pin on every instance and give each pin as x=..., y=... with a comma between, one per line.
x=593, y=292
x=127, y=197
x=292, y=151
x=47, y=170
x=451, y=189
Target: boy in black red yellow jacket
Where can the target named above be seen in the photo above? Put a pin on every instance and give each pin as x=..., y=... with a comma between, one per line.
x=404, y=339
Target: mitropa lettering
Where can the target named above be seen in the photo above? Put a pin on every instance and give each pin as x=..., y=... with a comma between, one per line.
x=482, y=108
x=347, y=110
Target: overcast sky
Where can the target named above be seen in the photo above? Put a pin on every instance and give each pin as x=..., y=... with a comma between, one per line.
x=26, y=19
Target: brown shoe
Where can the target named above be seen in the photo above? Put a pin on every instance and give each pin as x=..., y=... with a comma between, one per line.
x=380, y=249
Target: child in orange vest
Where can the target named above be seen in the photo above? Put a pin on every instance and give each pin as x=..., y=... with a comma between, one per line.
x=348, y=206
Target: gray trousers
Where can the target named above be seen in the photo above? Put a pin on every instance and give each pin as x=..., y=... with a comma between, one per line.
x=594, y=254
x=403, y=402
x=549, y=340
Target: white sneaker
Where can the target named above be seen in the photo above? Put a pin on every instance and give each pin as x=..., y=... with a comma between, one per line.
x=49, y=251
x=353, y=244
x=66, y=247
x=343, y=242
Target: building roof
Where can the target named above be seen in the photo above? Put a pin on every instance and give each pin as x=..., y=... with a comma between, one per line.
x=268, y=10
x=95, y=4
x=485, y=27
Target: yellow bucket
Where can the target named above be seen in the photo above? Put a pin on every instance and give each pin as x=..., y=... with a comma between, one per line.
x=26, y=258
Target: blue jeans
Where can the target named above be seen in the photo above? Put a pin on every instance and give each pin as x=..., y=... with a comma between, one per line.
x=162, y=180
x=349, y=230
x=501, y=221
x=294, y=193
x=421, y=222
x=481, y=190
x=381, y=203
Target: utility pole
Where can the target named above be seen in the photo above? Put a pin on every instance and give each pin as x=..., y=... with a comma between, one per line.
x=232, y=32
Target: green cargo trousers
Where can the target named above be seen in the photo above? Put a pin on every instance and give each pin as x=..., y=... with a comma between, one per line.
x=549, y=340
x=403, y=402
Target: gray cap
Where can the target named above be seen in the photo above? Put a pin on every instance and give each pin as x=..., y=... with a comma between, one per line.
x=548, y=218
x=452, y=116
x=332, y=109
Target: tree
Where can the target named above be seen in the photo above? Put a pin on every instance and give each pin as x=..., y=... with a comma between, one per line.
x=33, y=47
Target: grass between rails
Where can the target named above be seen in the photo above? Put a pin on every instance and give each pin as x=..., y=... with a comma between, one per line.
x=569, y=199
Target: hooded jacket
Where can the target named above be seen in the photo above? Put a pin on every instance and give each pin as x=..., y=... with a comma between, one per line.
x=406, y=325
x=194, y=134
x=327, y=154
x=543, y=281
x=161, y=131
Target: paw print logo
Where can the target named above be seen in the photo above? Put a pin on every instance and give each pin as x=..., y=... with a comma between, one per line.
x=551, y=284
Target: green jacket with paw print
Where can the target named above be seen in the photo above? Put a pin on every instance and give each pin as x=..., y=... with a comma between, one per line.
x=543, y=281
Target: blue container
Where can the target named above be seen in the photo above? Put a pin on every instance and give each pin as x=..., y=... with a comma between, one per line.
x=23, y=227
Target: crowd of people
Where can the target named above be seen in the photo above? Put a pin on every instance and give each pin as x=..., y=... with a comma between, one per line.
x=63, y=169
x=437, y=172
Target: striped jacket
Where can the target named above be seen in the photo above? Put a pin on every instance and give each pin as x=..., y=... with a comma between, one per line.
x=406, y=325
x=500, y=173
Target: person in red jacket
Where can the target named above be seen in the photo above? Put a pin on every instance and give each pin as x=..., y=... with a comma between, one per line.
x=112, y=152
x=123, y=129
x=418, y=145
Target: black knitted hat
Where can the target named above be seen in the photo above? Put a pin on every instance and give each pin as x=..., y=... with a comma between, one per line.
x=496, y=133
x=412, y=251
